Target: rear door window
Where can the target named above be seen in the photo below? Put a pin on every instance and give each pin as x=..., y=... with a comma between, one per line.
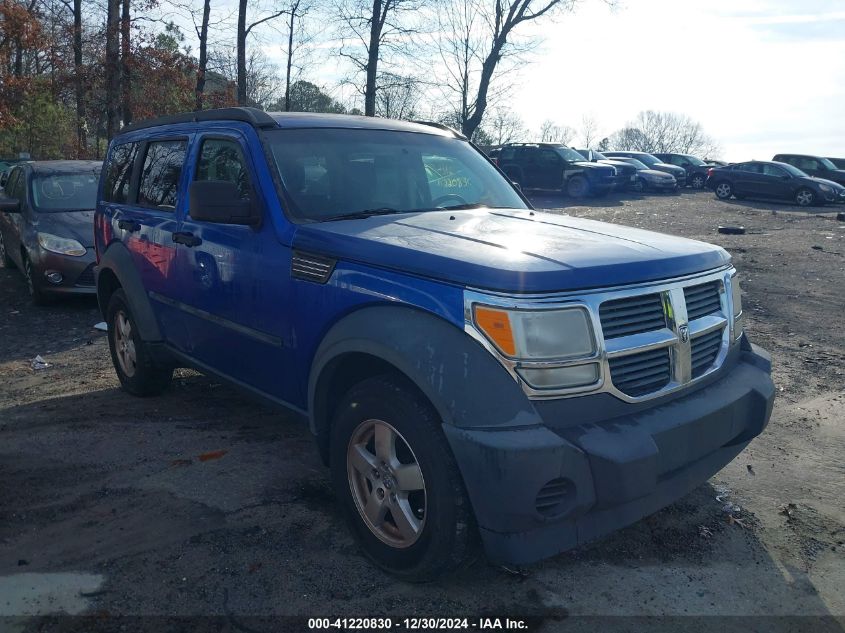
x=159, y=185
x=119, y=172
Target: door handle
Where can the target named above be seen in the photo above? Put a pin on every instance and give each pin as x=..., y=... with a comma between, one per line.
x=128, y=225
x=188, y=239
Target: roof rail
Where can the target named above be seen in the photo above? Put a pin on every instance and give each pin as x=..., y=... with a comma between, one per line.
x=253, y=116
x=441, y=126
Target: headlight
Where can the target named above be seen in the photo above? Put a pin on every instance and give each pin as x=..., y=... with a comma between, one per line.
x=564, y=335
x=736, y=300
x=538, y=334
x=826, y=188
x=61, y=245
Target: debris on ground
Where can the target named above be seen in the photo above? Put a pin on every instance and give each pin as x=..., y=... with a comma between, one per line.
x=731, y=230
x=211, y=455
x=750, y=469
x=705, y=531
x=102, y=326
x=38, y=363
x=787, y=509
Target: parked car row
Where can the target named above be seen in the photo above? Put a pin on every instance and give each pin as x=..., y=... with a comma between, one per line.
x=804, y=179
x=581, y=173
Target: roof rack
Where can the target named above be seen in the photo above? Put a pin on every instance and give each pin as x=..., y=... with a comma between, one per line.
x=441, y=126
x=253, y=116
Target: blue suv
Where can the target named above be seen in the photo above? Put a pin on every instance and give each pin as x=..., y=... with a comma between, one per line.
x=472, y=370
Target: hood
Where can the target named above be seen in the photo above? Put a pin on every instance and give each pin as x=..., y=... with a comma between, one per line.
x=511, y=250
x=835, y=175
x=824, y=181
x=77, y=225
x=620, y=165
x=588, y=165
x=672, y=169
x=656, y=173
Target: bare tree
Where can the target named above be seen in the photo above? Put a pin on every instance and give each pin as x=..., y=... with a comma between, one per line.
x=589, y=133
x=112, y=67
x=370, y=26
x=551, y=132
x=297, y=37
x=260, y=76
x=476, y=36
x=654, y=131
x=243, y=31
x=126, y=63
x=504, y=126
x=202, y=66
x=397, y=96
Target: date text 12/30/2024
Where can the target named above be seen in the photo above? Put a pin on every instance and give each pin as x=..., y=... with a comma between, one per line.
x=418, y=624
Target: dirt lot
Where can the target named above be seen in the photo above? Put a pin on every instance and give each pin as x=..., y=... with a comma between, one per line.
x=107, y=508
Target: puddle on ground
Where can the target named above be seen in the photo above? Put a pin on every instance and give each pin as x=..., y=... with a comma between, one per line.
x=48, y=593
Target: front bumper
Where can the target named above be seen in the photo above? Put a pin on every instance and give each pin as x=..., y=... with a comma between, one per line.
x=662, y=185
x=77, y=272
x=604, y=475
x=834, y=197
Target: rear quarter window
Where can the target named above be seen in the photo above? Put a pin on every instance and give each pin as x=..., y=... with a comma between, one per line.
x=119, y=172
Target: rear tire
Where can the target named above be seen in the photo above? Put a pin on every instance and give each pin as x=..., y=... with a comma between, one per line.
x=805, y=197
x=410, y=474
x=723, y=190
x=139, y=374
x=697, y=181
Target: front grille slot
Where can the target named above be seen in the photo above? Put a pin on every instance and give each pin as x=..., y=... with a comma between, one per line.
x=704, y=350
x=703, y=299
x=632, y=315
x=642, y=373
x=86, y=277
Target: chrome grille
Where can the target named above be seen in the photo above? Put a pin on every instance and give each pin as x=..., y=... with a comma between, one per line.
x=309, y=267
x=632, y=315
x=639, y=374
x=705, y=350
x=703, y=299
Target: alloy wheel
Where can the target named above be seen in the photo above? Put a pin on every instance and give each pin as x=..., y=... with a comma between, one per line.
x=698, y=182
x=124, y=344
x=723, y=190
x=387, y=483
x=804, y=198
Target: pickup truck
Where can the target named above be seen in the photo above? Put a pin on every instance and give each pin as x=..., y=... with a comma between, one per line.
x=472, y=370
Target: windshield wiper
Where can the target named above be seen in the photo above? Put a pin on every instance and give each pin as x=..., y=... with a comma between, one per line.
x=366, y=213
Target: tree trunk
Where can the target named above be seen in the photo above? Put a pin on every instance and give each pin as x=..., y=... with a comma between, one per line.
x=487, y=70
x=293, y=9
x=112, y=68
x=126, y=63
x=372, y=59
x=79, y=86
x=241, y=37
x=203, y=61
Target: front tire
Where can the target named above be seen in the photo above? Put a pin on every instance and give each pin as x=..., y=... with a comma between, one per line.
x=39, y=297
x=640, y=185
x=805, y=197
x=697, y=181
x=4, y=254
x=723, y=190
x=397, y=482
x=139, y=374
x=577, y=187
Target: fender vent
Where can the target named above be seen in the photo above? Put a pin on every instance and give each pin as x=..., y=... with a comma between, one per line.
x=309, y=267
x=554, y=497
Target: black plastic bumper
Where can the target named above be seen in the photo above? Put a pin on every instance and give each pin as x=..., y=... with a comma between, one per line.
x=605, y=475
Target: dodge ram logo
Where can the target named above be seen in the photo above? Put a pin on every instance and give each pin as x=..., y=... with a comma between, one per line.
x=683, y=332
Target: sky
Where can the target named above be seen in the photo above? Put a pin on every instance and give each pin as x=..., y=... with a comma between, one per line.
x=761, y=76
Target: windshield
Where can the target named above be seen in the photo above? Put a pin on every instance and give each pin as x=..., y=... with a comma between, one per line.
x=696, y=162
x=567, y=153
x=600, y=156
x=334, y=173
x=794, y=171
x=65, y=191
x=648, y=159
x=636, y=163
x=827, y=163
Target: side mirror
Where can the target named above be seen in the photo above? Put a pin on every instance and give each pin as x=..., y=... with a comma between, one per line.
x=219, y=201
x=10, y=205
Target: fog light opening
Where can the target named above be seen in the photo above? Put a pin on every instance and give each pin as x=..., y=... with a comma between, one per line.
x=54, y=277
x=555, y=498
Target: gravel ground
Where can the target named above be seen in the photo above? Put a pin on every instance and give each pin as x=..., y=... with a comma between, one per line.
x=200, y=502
